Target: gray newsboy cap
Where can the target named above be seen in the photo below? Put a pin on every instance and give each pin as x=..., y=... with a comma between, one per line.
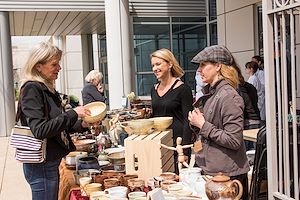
x=216, y=53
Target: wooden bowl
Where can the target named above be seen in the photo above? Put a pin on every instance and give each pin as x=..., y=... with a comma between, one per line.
x=162, y=123
x=98, y=112
x=141, y=126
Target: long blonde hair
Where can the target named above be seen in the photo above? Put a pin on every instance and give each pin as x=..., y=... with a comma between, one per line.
x=230, y=75
x=169, y=57
x=41, y=54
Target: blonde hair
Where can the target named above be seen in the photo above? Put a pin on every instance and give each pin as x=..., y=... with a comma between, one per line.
x=41, y=54
x=169, y=57
x=93, y=75
x=230, y=75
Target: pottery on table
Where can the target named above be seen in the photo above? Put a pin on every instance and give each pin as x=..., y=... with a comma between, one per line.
x=88, y=162
x=141, y=126
x=83, y=145
x=221, y=187
x=162, y=123
x=117, y=157
x=111, y=182
x=168, y=176
x=136, y=184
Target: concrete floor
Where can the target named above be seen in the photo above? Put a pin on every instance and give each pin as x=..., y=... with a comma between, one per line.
x=13, y=185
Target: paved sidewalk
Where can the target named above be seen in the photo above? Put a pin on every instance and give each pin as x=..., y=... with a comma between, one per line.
x=13, y=185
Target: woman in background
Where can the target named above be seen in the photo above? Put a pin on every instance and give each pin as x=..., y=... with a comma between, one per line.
x=171, y=97
x=251, y=69
x=93, y=90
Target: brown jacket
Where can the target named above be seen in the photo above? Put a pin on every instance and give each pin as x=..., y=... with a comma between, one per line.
x=222, y=133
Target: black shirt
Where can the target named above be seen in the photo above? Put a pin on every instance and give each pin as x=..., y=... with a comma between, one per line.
x=176, y=103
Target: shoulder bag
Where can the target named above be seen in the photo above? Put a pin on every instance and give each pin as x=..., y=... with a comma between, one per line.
x=28, y=148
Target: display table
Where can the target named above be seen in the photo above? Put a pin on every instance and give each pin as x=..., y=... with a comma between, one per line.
x=250, y=134
x=66, y=183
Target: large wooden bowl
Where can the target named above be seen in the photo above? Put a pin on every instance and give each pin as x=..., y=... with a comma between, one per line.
x=98, y=112
x=141, y=126
x=162, y=123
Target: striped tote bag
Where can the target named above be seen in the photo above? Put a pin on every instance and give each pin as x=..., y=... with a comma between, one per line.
x=28, y=148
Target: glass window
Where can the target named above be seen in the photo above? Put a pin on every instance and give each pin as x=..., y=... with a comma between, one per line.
x=151, y=19
x=213, y=33
x=145, y=83
x=148, y=38
x=188, y=40
x=189, y=19
x=212, y=10
x=189, y=36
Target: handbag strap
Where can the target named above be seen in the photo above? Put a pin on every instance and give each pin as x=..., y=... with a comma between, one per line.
x=19, y=109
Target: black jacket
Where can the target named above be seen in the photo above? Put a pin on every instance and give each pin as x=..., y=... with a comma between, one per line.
x=90, y=93
x=249, y=94
x=43, y=113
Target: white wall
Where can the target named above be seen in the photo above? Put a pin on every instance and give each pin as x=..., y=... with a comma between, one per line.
x=236, y=29
x=73, y=65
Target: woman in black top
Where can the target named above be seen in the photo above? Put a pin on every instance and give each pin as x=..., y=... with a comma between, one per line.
x=170, y=96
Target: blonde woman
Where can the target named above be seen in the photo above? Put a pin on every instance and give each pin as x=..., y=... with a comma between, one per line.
x=170, y=96
x=93, y=90
x=219, y=117
x=41, y=110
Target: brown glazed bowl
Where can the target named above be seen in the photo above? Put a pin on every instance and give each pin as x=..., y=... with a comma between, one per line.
x=98, y=112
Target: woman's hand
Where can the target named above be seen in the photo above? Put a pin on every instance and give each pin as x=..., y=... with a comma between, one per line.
x=82, y=111
x=196, y=118
x=100, y=88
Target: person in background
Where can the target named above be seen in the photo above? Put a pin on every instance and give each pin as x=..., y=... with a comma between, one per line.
x=47, y=120
x=93, y=90
x=171, y=97
x=218, y=117
x=260, y=72
x=249, y=94
x=251, y=112
x=251, y=68
x=199, y=85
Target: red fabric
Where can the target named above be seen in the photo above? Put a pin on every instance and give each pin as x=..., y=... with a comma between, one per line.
x=76, y=195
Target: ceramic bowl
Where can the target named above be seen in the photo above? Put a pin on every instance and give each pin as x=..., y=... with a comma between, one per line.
x=117, y=157
x=141, y=126
x=98, y=112
x=83, y=145
x=162, y=123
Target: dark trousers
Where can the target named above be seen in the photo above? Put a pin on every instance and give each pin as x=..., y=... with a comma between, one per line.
x=243, y=178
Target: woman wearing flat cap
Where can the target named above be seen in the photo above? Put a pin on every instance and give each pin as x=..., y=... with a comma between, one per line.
x=217, y=118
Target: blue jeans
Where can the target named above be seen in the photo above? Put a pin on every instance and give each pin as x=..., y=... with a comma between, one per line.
x=43, y=179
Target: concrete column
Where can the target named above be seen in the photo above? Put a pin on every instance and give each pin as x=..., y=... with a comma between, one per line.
x=7, y=97
x=95, y=51
x=87, y=54
x=118, y=50
x=60, y=83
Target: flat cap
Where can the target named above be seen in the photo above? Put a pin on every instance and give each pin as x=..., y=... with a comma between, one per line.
x=215, y=53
